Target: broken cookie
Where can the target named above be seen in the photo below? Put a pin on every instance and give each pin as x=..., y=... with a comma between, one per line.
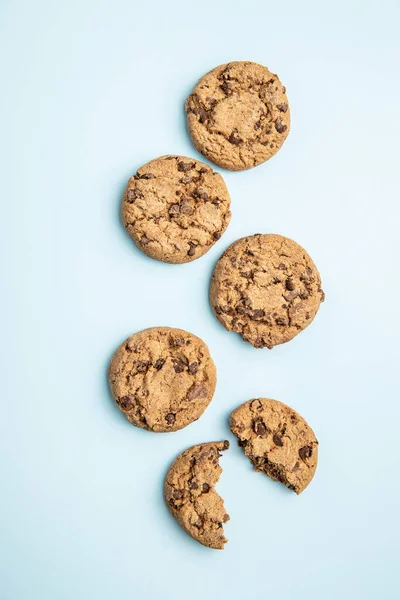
x=162, y=378
x=277, y=440
x=190, y=495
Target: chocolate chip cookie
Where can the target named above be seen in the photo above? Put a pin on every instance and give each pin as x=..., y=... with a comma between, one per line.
x=238, y=115
x=175, y=208
x=191, y=497
x=162, y=378
x=277, y=440
x=266, y=288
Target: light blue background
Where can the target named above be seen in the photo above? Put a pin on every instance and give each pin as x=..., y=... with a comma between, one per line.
x=91, y=90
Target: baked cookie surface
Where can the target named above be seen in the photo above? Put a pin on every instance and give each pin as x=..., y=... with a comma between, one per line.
x=162, y=378
x=277, y=440
x=175, y=208
x=238, y=115
x=266, y=288
x=190, y=495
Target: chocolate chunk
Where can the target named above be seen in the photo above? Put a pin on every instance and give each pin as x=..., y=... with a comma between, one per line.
x=197, y=390
x=126, y=402
x=305, y=452
x=226, y=87
x=159, y=363
x=177, y=342
x=279, y=126
x=147, y=176
x=216, y=235
x=257, y=314
x=282, y=267
x=133, y=194
x=203, y=170
x=277, y=440
x=205, y=488
x=280, y=321
x=182, y=166
x=203, y=115
x=193, y=368
x=226, y=518
x=185, y=207
x=186, y=179
x=259, y=427
x=178, y=494
x=282, y=107
x=145, y=240
x=170, y=418
x=290, y=285
x=211, y=101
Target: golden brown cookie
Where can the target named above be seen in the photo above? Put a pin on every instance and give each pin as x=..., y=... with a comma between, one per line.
x=277, y=440
x=162, y=378
x=266, y=288
x=191, y=497
x=238, y=115
x=175, y=208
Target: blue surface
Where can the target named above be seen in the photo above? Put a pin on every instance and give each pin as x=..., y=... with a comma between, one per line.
x=90, y=91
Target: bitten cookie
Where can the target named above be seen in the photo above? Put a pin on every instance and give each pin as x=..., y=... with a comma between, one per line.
x=238, y=115
x=162, y=378
x=266, y=288
x=191, y=497
x=175, y=208
x=277, y=440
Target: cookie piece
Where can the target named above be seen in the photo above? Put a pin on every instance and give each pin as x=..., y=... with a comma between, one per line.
x=190, y=495
x=162, y=378
x=277, y=440
x=267, y=288
x=175, y=208
x=238, y=115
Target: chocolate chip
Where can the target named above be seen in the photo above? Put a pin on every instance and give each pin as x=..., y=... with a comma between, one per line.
x=296, y=466
x=186, y=207
x=225, y=518
x=226, y=87
x=260, y=427
x=179, y=365
x=242, y=443
x=211, y=101
x=277, y=440
x=216, y=235
x=193, y=368
x=159, y=363
x=133, y=195
x=290, y=284
x=192, y=249
x=182, y=166
x=203, y=115
x=178, y=494
x=203, y=170
x=234, y=138
x=282, y=267
x=305, y=452
x=174, y=210
x=257, y=314
x=322, y=295
x=199, y=193
x=170, y=418
x=141, y=366
x=177, y=342
x=126, y=402
x=145, y=240
x=147, y=176
x=282, y=107
x=279, y=126
x=193, y=485
x=186, y=179
x=197, y=390
x=257, y=125
x=205, y=488
x=280, y=321
x=283, y=90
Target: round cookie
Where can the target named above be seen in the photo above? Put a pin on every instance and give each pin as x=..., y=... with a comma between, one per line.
x=266, y=288
x=277, y=440
x=162, y=378
x=190, y=495
x=175, y=208
x=238, y=115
